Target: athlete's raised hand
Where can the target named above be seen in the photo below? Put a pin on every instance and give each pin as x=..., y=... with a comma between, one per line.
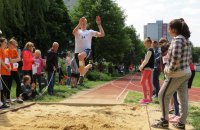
x=98, y=20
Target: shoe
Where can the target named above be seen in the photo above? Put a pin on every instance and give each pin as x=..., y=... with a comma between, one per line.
x=8, y=101
x=90, y=66
x=154, y=96
x=40, y=94
x=162, y=123
x=19, y=100
x=174, y=120
x=179, y=125
x=1, y=103
x=172, y=117
x=144, y=101
x=4, y=106
x=171, y=111
x=81, y=80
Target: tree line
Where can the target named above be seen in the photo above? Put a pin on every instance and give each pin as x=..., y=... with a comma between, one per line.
x=45, y=21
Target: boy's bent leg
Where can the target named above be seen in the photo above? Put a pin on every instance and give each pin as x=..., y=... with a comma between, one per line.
x=81, y=57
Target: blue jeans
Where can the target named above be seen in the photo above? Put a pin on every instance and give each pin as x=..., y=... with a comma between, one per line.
x=51, y=82
x=176, y=105
x=68, y=75
x=156, y=83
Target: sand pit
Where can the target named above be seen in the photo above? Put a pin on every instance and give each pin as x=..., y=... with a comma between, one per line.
x=62, y=117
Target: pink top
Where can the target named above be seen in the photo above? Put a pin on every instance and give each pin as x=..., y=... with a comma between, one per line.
x=39, y=63
x=27, y=58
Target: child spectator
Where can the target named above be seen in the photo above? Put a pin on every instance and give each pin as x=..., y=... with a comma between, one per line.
x=75, y=73
x=1, y=88
x=28, y=89
x=11, y=51
x=177, y=73
x=5, y=73
x=156, y=70
x=27, y=57
x=192, y=68
x=38, y=66
x=146, y=69
x=68, y=65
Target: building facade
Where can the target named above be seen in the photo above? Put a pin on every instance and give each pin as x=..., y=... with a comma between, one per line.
x=156, y=30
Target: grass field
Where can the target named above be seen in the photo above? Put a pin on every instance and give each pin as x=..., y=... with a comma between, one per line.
x=61, y=92
x=195, y=83
x=194, y=110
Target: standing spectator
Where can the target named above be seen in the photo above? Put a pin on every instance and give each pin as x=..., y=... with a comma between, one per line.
x=68, y=64
x=38, y=63
x=83, y=41
x=156, y=69
x=5, y=73
x=14, y=59
x=1, y=89
x=52, y=66
x=146, y=69
x=192, y=68
x=27, y=58
x=177, y=73
x=75, y=73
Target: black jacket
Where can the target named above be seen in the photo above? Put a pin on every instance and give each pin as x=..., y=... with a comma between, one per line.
x=51, y=61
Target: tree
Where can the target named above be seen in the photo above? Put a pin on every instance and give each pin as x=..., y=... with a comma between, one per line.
x=136, y=51
x=195, y=54
x=116, y=43
x=41, y=22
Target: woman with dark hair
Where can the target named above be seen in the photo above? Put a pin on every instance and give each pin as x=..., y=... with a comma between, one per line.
x=177, y=73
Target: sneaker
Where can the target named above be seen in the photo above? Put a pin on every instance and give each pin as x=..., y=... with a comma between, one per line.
x=4, y=106
x=172, y=117
x=154, y=96
x=171, y=111
x=1, y=103
x=81, y=80
x=162, y=123
x=90, y=66
x=19, y=100
x=8, y=101
x=40, y=94
x=179, y=125
x=144, y=101
x=174, y=120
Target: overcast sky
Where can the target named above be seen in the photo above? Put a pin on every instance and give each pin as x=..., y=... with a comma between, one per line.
x=141, y=12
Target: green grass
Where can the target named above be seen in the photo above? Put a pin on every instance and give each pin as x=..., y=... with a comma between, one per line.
x=61, y=92
x=195, y=83
x=194, y=111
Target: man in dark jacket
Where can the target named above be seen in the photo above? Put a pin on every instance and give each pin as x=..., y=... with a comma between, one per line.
x=51, y=66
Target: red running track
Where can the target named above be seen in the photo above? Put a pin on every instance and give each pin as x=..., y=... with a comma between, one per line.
x=115, y=91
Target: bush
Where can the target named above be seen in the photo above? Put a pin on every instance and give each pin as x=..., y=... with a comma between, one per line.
x=95, y=75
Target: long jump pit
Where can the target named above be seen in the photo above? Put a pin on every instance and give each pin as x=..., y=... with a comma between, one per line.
x=61, y=116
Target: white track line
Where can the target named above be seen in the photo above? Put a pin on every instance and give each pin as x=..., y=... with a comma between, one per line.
x=124, y=88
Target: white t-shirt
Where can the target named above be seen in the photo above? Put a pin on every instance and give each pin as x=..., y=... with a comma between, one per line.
x=83, y=40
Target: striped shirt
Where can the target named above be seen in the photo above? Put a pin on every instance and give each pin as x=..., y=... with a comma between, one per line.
x=180, y=54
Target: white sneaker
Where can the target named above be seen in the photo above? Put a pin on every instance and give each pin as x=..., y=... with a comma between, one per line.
x=90, y=65
x=1, y=103
x=40, y=94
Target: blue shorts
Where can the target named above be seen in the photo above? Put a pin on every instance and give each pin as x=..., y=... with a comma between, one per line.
x=88, y=53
